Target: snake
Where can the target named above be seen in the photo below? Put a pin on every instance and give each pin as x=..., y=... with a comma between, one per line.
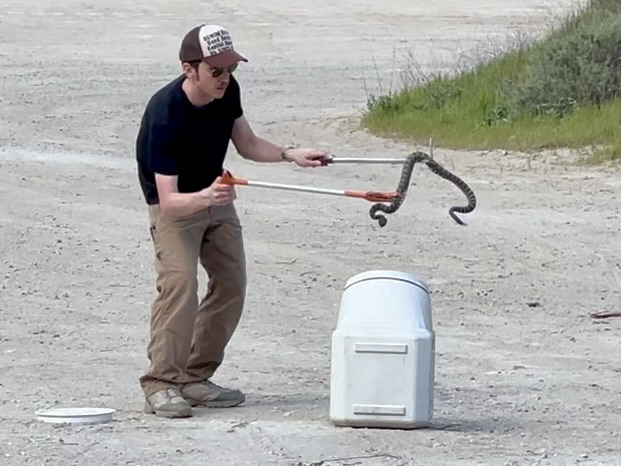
x=404, y=182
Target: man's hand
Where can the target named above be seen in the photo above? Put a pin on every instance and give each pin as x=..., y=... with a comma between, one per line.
x=307, y=157
x=218, y=193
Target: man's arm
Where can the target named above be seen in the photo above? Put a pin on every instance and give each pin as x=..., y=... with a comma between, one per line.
x=254, y=148
x=161, y=158
x=257, y=149
x=176, y=204
x=163, y=162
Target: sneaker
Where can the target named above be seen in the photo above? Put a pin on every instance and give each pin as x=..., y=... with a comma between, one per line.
x=211, y=395
x=168, y=403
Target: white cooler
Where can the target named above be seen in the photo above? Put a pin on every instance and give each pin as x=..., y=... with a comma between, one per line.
x=383, y=353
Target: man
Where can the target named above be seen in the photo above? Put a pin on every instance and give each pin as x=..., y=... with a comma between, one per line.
x=181, y=146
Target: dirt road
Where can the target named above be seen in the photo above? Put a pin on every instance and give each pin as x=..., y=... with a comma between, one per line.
x=524, y=375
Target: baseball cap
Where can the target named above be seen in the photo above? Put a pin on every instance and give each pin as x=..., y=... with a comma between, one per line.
x=211, y=43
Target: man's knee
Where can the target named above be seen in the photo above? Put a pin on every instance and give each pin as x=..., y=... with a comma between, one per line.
x=229, y=284
x=177, y=283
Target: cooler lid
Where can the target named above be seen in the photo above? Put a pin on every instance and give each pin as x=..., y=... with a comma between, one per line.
x=387, y=275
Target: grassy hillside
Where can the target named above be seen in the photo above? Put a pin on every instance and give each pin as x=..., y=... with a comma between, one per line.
x=562, y=91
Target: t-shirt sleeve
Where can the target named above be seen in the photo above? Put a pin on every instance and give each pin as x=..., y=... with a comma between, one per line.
x=161, y=149
x=236, y=103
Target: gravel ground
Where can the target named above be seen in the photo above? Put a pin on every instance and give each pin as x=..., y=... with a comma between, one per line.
x=524, y=375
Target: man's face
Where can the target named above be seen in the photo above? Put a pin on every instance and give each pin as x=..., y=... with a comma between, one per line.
x=212, y=81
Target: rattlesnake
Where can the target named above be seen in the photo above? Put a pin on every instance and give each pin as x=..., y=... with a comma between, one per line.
x=404, y=182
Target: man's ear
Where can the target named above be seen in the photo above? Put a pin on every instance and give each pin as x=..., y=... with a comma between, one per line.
x=188, y=70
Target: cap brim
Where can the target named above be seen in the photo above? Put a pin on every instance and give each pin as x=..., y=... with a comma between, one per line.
x=224, y=59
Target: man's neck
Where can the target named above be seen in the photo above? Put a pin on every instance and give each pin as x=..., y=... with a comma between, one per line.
x=196, y=98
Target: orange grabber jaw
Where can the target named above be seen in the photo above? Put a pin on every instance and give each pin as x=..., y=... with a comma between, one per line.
x=228, y=178
x=374, y=196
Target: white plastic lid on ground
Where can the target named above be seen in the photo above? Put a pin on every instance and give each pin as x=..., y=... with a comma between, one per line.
x=75, y=415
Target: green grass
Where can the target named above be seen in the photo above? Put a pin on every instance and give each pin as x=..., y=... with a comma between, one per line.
x=563, y=91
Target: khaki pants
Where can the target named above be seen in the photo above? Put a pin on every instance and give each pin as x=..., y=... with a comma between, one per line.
x=188, y=337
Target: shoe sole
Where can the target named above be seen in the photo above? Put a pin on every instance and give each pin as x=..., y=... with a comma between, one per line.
x=216, y=404
x=148, y=409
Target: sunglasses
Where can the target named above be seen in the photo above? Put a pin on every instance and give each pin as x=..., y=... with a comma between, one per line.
x=217, y=72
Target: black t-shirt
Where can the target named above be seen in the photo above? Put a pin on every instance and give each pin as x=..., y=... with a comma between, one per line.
x=178, y=138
